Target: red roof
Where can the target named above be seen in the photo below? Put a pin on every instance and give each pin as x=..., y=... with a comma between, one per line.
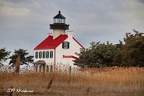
x=50, y=43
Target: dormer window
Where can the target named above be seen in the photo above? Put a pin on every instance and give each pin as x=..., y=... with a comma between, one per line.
x=65, y=45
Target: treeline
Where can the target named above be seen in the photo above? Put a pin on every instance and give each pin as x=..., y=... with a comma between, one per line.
x=127, y=54
x=25, y=58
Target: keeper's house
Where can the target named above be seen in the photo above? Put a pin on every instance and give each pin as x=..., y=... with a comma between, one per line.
x=60, y=46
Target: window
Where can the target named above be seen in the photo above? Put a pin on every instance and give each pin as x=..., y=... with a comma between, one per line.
x=40, y=54
x=57, y=20
x=65, y=45
x=36, y=54
x=43, y=54
x=47, y=54
x=51, y=54
x=63, y=20
x=54, y=20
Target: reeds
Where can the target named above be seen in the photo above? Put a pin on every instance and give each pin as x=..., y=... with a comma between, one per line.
x=50, y=84
x=90, y=82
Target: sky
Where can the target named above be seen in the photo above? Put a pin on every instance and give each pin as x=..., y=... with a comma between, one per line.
x=25, y=23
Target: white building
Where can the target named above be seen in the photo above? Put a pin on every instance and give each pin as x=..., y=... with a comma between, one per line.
x=59, y=47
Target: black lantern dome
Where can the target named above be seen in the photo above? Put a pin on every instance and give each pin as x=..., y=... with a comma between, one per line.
x=59, y=18
x=59, y=22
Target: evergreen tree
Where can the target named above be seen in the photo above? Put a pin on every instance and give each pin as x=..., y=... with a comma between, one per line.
x=24, y=59
x=132, y=52
x=4, y=54
x=97, y=55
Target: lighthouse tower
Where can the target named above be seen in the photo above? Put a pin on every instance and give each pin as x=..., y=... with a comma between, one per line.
x=58, y=25
x=58, y=49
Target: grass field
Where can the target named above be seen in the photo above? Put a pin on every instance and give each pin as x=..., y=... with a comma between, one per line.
x=88, y=82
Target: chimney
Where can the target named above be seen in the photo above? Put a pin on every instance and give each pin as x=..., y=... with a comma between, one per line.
x=49, y=34
x=70, y=33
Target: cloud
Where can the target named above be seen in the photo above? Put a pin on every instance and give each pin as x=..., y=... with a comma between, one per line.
x=109, y=21
x=141, y=1
x=11, y=10
x=25, y=23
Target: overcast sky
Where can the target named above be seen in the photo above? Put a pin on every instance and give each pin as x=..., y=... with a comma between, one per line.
x=25, y=23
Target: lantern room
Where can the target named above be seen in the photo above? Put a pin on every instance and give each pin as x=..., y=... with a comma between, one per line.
x=59, y=18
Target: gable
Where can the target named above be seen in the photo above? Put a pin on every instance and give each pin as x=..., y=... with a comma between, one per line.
x=78, y=43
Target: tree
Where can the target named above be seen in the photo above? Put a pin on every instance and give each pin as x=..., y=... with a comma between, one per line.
x=24, y=59
x=132, y=52
x=4, y=54
x=97, y=55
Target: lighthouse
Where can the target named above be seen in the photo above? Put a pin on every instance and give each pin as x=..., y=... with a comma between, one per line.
x=59, y=25
x=59, y=48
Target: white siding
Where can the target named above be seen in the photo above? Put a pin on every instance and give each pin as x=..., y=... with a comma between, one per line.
x=73, y=48
x=49, y=60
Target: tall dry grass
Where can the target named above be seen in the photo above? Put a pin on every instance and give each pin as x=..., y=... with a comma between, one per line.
x=88, y=82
